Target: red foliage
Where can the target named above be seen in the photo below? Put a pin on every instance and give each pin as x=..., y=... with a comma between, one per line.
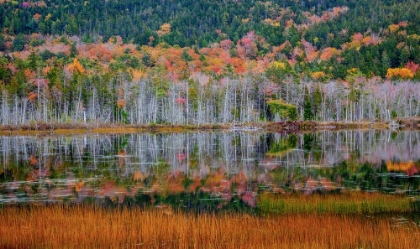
x=414, y=67
x=26, y=4
x=226, y=44
x=180, y=101
x=40, y=82
x=412, y=171
x=358, y=37
x=249, y=198
x=216, y=69
x=181, y=156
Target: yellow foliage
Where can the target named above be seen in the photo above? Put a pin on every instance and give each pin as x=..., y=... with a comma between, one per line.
x=77, y=67
x=403, y=73
x=352, y=70
x=278, y=64
x=400, y=45
x=317, y=75
x=138, y=74
x=414, y=36
x=393, y=28
x=271, y=22
x=164, y=29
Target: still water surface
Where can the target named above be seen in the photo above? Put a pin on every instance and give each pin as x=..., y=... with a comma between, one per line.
x=219, y=165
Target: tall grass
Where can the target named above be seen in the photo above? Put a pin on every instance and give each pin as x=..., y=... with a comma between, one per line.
x=87, y=227
x=343, y=203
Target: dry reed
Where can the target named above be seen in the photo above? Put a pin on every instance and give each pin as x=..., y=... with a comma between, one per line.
x=88, y=227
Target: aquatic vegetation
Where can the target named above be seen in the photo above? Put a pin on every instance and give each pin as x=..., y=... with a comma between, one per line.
x=352, y=202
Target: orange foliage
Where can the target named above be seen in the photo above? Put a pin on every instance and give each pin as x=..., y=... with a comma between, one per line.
x=36, y=17
x=367, y=40
x=403, y=73
x=399, y=166
x=103, y=54
x=76, y=67
x=29, y=74
x=312, y=55
x=45, y=70
x=238, y=64
x=78, y=186
x=33, y=160
x=138, y=176
x=327, y=53
x=32, y=96
x=121, y=103
x=138, y=74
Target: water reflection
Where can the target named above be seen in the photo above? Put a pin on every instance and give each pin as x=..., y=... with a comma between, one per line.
x=221, y=167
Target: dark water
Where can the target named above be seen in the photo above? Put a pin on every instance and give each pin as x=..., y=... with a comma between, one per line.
x=225, y=167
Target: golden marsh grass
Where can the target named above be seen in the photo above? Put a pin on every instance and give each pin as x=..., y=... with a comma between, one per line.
x=89, y=227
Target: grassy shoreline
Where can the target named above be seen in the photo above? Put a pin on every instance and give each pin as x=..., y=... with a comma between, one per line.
x=292, y=127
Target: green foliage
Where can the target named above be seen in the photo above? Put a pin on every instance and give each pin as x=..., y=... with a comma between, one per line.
x=18, y=43
x=308, y=113
x=185, y=56
x=282, y=146
x=283, y=109
x=2, y=43
x=73, y=50
x=5, y=72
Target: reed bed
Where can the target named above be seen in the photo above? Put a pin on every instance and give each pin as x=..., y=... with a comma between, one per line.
x=89, y=227
x=344, y=203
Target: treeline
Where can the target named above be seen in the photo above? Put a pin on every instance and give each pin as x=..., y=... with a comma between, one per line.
x=154, y=100
x=196, y=62
x=196, y=22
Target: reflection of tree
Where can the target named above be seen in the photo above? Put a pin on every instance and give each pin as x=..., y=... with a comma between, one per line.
x=280, y=147
x=225, y=165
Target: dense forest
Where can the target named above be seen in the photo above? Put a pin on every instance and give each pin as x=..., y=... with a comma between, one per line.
x=200, y=62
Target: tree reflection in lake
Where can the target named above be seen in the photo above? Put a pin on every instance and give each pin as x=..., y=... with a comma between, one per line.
x=222, y=166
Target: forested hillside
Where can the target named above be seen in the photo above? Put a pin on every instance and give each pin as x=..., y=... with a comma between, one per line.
x=195, y=62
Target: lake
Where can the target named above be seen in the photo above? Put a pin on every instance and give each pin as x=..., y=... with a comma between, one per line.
x=209, y=169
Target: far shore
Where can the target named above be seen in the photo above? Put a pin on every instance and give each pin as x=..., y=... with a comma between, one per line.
x=281, y=127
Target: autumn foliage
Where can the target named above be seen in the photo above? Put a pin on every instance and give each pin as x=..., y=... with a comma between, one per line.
x=403, y=73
